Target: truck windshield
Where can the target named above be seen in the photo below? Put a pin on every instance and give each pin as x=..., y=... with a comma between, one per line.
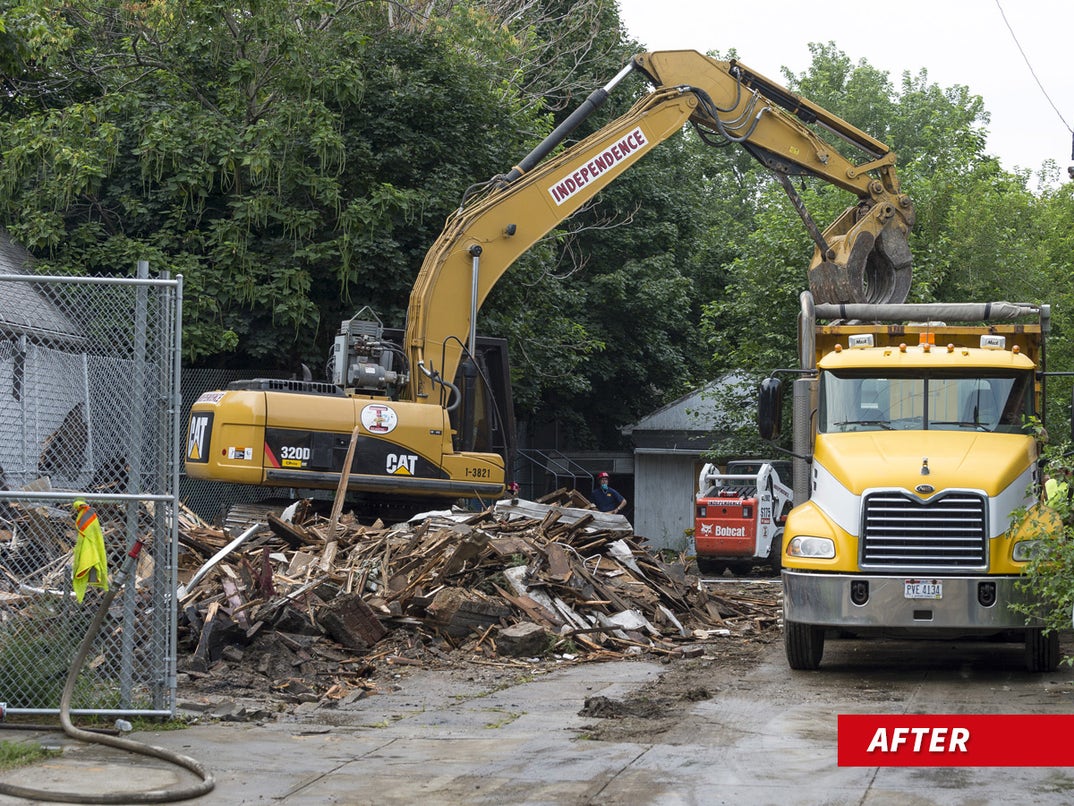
x=994, y=401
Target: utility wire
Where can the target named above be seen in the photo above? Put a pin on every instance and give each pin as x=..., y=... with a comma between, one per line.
x=1030, y=66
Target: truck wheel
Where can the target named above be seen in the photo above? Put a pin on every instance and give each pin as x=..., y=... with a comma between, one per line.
x=775, y=553
x=804, y=644
x=1042, y=651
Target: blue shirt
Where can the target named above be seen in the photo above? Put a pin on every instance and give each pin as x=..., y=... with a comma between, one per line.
x=606, y=500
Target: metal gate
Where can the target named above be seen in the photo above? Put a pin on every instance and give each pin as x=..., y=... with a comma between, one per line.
x=89, y=409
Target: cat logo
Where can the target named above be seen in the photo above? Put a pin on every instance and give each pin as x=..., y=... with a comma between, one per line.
x=401, y=464
x=197, y=443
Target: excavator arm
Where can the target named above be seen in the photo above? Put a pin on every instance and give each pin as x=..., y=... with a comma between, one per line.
x=482, y=240
x=862, y=256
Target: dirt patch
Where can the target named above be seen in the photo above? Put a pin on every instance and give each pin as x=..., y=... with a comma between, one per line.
x=658, y=707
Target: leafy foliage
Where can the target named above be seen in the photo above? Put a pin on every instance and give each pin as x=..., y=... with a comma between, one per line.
x=253, y=150
x=1048, y=581
x=295, y=160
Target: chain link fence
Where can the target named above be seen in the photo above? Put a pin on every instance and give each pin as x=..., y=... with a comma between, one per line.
x=89, y=409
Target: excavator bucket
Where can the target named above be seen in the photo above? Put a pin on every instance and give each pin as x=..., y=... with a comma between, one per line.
x=867, y=260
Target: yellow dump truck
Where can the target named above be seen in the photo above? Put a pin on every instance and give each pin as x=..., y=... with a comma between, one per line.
x=917, y=477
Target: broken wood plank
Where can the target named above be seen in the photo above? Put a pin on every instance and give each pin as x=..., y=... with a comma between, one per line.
x=231, y=591
x=295, y=536
x=458, y=612
x=468, y=549
x=332, y=545
x=559, y=563
x=200, y=661
x=351, y=622
x=220, y=555
x=511, y=545
x=530, y=607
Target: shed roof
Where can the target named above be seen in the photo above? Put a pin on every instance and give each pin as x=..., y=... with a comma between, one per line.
x=23, y=308
x=698, y=410
x=685, y=424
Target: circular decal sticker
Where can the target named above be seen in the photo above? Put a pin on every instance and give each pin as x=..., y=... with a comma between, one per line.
x=379, y=419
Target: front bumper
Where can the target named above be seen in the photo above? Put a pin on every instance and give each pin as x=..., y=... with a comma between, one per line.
x=825, y=600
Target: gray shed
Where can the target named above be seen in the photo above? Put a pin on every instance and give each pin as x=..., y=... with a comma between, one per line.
x=43, y=383
x=668, y=449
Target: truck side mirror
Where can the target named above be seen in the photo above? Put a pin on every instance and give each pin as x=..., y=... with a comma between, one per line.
x=770, y=409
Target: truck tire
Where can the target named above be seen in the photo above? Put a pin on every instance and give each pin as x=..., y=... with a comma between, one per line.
x=1042, y=651
x=775, y=553
x=804, y=644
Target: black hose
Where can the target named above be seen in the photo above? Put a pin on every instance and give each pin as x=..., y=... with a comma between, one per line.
x=155, y=796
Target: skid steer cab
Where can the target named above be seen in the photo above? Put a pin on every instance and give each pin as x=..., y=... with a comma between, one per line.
x=739, y=515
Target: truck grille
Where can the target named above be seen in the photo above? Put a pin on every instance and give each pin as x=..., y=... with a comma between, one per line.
x=947, y=532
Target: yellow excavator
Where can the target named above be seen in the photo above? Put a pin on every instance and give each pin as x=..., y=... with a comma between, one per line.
x=412, y=416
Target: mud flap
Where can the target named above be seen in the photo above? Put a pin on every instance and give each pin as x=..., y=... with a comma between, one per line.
x=1042, y=650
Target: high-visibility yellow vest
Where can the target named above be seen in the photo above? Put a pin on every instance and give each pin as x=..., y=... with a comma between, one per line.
x=90, y=560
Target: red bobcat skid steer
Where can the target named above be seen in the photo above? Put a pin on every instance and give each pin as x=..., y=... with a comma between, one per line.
x=739, y=516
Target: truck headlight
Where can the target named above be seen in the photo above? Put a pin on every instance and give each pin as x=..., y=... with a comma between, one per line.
x=819, y=547
x=1025, y=550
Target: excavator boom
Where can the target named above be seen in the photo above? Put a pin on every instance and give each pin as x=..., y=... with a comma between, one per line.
x=862, y=257
x=481, y=241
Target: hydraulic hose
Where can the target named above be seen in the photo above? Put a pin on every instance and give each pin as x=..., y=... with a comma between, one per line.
x=154, y=796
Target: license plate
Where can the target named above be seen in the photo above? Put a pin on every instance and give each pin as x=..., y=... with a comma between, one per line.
x=923, y=589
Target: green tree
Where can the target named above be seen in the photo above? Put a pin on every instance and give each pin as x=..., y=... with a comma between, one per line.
x=285, y=157
x=1054, y=256
x=294, y=161
x=1048, y=582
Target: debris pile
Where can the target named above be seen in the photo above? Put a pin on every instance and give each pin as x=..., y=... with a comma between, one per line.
x=308, y=609
x=315, y=604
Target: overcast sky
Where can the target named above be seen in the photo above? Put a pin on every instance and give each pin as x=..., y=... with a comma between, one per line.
x=958, y=41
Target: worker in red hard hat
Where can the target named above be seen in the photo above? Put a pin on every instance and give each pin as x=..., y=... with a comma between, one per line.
x=607, y=499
